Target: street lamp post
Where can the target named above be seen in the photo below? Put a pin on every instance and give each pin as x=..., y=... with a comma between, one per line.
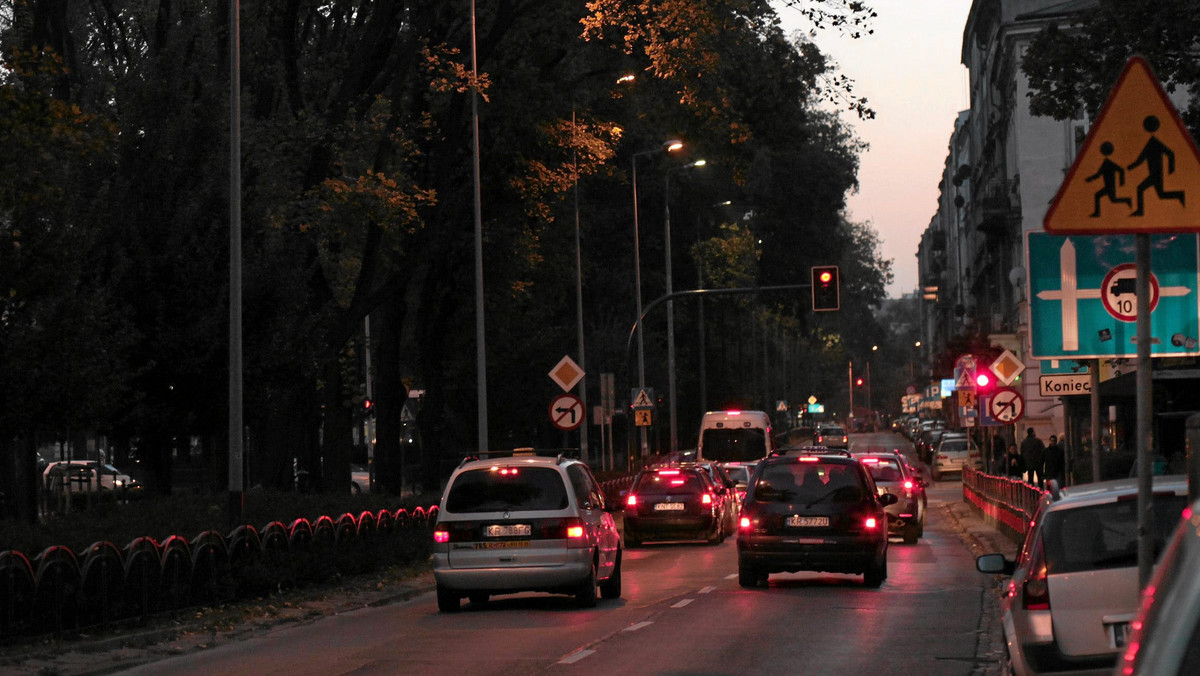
x=671, y=304
x=670, y=146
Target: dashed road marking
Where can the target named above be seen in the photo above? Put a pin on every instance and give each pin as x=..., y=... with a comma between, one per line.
x=707, y=590
x=639, y=625
x=575, y=656
x=682, y=603
x=731, y=577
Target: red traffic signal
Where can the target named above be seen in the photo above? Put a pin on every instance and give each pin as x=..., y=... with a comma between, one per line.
x=859, y=382
x=985, y=380
x=826, y=288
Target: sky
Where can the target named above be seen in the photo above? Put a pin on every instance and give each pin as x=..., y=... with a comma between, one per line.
x=911, y=73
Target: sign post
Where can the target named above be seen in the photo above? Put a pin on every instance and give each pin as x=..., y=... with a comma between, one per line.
x=1139, y=148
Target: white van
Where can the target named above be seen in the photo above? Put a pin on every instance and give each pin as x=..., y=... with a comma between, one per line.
x=739, y=437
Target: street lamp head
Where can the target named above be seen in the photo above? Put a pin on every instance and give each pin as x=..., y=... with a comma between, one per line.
x=698, y=163
x=672, y=146
x=626, y=78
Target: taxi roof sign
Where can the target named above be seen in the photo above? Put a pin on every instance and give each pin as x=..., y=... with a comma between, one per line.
x=1135, y=168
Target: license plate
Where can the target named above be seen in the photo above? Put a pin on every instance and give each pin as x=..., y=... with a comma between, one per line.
x=507, y=544
x=670, y=507
x=807, y=521
x=514, y=530
x=1119, y=634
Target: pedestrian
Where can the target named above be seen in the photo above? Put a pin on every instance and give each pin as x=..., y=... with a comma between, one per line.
x=1033, y=453
x=1014, y=464
x=1054, y=462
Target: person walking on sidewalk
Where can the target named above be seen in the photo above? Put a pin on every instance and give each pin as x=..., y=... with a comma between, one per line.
x=1014, y=464
x=1054, y=462
x=1033, y=452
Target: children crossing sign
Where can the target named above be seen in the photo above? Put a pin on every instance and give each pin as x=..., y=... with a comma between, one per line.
x=1136, y=168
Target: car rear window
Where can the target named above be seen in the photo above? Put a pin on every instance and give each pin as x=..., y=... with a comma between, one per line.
x=809, y=482
x=884, y=470
x=953, y=445
x=666, y=483
x=516, y=489
x=1104, y=536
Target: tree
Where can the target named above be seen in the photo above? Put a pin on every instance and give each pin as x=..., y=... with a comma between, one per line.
x=1075, y=66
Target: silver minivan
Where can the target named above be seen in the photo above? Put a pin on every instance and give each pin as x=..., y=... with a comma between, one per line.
x=1074, y=588
x=524, y=522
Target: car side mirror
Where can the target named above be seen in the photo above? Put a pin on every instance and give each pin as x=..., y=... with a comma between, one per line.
x=888, y=499
x=995, y=564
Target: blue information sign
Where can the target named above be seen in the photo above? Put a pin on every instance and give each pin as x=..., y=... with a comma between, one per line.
x=1082, y=302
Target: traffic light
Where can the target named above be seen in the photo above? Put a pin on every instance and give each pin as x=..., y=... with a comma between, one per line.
x=826, y=294
x=985, y=380
x=368, y=407
x=858, y=381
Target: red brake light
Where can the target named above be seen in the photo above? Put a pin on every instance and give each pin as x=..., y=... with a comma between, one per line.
x=871, y=523
x=668, y=472
x=441, y=536
x=908, y=485
x=678, y=482
x=1036, y=591
x=574, y=531
x=744, y=522
x=631, y=501
x=870, y=461
x=706, y=499
x=508, y=471
x=809, y=458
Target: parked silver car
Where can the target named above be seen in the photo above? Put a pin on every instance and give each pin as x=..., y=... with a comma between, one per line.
x=1166, y=636
x=1074, y=587
x=524, y=522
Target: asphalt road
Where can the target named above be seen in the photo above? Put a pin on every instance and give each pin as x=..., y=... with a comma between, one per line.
x=682, y=612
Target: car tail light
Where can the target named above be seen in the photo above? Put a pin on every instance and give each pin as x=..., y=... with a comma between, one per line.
x=668, y=472
x=706, y=499
x=908, y=485
x=574, y=531
x=809, y=458
x=870, y=461
x=870, y=523
x=744, y=523
x=441, y=536
x=1035, y=593
x=631, y=504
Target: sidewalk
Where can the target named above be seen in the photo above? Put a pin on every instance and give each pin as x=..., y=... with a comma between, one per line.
x=982, y=538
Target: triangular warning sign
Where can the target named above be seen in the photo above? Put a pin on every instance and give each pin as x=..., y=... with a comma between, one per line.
x=1138, y=170
x=642, y=400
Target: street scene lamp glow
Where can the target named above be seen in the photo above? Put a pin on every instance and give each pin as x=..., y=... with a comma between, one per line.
x=672, y=146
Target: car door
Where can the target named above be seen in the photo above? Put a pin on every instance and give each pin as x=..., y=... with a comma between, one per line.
x=597, y=522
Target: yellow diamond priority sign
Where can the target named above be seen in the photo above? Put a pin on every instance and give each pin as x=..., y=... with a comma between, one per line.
x=1007, y=367
x=1138, y=170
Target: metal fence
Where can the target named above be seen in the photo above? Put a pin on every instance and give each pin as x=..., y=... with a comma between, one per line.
x=1009, y=502
x=61, y=590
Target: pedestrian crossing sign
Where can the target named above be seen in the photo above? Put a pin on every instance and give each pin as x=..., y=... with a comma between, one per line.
x=1135, y=169
x=643, y=399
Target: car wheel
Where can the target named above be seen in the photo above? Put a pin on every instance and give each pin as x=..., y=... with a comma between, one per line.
x=747, y=577
x=911, y=534
x=585, y=596
x=876, y=572
x=611, y=588
x=447, y=600
x=478, y=597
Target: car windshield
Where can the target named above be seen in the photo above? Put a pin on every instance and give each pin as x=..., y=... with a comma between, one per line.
x=832, y=432
x=507, y=489
x=886, y=469
x=809, y=483
x=734, y=445
x=953, y=445
x=1104, y=536
x=669, y=483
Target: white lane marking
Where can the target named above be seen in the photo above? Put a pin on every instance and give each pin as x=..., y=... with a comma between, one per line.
x=707, y=590
x=639, y=625
x=730, y=577
x=682, y=603
x=576, y=656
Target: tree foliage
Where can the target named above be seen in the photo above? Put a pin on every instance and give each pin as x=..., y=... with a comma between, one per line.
x=1073, y=66
x=357, y=201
